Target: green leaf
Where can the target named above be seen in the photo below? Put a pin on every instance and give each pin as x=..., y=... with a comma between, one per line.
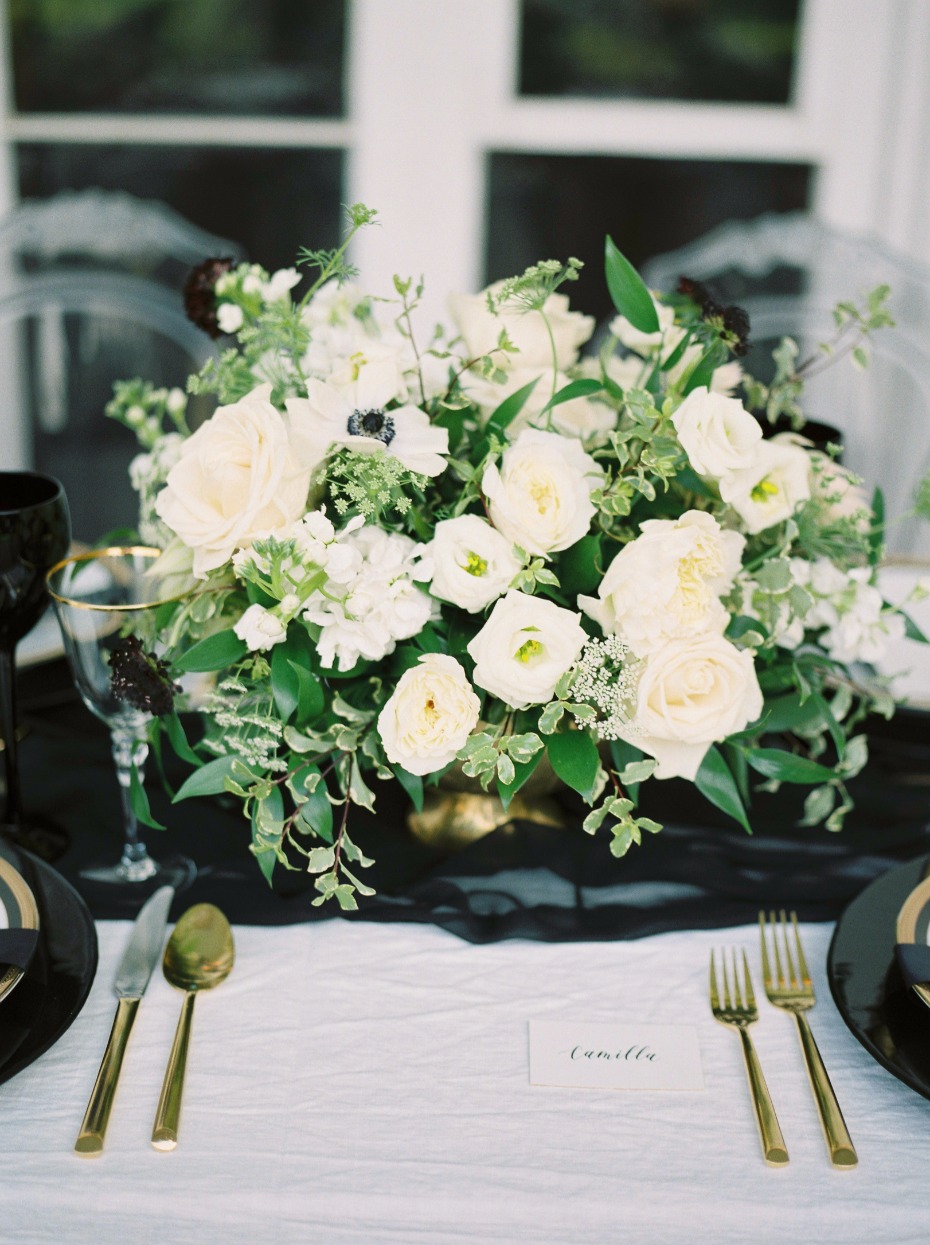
x=284, y=682
x=311, y=699
x=509, y=409
x=175, y=731
x=716, y=783
x=412, y=784
x=214, y=653
x=522, y=771
x=705, y=367
x=580, y=566
x=210, y=779
x=317, y=812
x=911, y=630
x=786, y=767
x=788, y=713
x=574, y=389
x=877, y=530
x=627, y=290
x=574, y=758
x=689, y=479
x=139, y=800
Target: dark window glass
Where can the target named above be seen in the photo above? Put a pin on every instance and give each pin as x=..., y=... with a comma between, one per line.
x=660, y=49
x=231, y=57
x=550, y=207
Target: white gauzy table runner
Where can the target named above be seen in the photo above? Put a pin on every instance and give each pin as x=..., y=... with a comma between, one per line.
x=369, y=1083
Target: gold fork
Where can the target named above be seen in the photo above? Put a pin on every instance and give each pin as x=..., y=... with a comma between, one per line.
x=790, y=987
x=739, y=1011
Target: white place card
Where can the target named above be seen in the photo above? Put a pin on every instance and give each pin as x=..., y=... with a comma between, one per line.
x=586, y=1055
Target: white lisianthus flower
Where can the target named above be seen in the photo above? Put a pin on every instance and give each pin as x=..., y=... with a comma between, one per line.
x=770, y=490
x=230, y=317
x=237, y=480
x=540, y=496
x=667, y=583
x=430, y=715
x=692, y=693
x=481, y=328
x=473, y=564
x=524, y=648
x=260, y=629
x=667, y=337
x=717, y=433
x=353, y=416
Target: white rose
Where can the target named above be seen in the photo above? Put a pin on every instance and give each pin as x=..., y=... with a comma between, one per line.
x=717, y=433
x=770, y=490
x=524, y=648
x=237, y=480
x=473, y=563
x=528, y=330
x=260, y=629
x=691, y=694
x=430, y=715
x=667, y=583
x=540, y=497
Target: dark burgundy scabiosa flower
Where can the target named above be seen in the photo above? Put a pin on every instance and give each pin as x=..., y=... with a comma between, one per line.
x=140, y=678
x=732, y=321
x=200, y=293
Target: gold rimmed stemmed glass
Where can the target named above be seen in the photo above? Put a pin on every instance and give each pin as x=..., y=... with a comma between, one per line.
x=107, y=601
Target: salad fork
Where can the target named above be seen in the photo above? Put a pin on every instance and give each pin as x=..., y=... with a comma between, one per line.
x=739, y=1011
x=790, y=987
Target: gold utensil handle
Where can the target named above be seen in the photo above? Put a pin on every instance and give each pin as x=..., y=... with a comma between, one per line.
x=97, y=1115
x=168, y=1115
x=839, y=1142
x=773, y=1143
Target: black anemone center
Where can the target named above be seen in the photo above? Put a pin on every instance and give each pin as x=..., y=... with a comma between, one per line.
x=373, y=423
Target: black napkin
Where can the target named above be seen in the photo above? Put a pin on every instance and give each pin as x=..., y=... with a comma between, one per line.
x=914, y=962
x=17, y=946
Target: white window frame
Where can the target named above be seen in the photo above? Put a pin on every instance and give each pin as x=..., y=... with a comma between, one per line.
x=431, y=90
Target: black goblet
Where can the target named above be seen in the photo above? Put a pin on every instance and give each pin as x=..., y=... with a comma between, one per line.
x=35, y=533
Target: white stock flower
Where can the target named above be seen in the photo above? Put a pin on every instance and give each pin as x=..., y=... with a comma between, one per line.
x=481, y=329
x=839, y=491
x=352, y=416
x=524, y=648
x=230, y=317
x=362, y=616
x=280, y=284
x=540, y=496
x=771, y=488
x=667, y=583
x=237, y=479
x=260, y=629
x=692, y=693
x=717, y=433
x=473, y=564
x=430, y=715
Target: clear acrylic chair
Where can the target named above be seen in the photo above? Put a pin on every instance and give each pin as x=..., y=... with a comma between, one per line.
x=788, y=272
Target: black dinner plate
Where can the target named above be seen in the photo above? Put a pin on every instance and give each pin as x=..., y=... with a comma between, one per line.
x=881, y=1010
x=54, y=988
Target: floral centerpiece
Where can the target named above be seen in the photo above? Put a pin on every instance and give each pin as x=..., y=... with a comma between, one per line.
x=478, y=549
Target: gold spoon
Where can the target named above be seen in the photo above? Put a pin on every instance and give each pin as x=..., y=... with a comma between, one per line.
x=199, y=955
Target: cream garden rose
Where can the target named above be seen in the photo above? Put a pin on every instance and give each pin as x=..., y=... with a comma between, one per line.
x=771, y=488
x=473, y=563
x=237, y=479
x=430, y=715
x=717, y=433
x=667, y=583
x=524, y=648
x=540, y=496
x=692, y=693
x=528, y=330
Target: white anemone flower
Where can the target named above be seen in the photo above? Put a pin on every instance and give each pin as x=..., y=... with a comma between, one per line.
x=353, y=416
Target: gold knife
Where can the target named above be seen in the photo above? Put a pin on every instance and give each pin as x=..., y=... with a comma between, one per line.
x=142, y=953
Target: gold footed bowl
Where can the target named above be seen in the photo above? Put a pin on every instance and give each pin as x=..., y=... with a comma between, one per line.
x=458, y=812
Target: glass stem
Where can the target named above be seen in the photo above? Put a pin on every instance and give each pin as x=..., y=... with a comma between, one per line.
x=12, y=810
x=129, y=751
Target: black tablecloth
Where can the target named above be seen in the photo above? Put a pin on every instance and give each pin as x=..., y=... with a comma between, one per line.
x=531, y=882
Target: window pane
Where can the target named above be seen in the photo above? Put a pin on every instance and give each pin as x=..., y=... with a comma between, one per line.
x=660, y=49
x=550, y=207
x=234, y=57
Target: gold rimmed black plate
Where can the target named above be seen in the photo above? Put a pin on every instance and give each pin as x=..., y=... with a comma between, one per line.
x=17, y=911
x=877, y=1004
x=914, y=925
